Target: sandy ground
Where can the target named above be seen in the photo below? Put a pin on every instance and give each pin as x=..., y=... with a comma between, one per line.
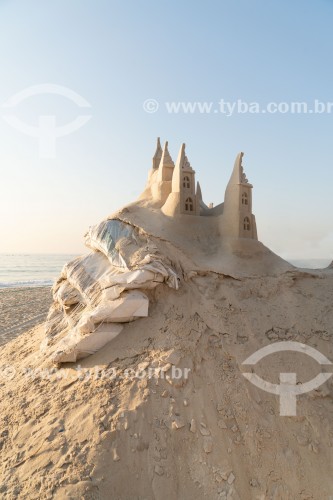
x=212, y=435
x=21, y=309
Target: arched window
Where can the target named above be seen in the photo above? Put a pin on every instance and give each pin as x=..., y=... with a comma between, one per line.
x=247, y=225
x=186, y=182
x=189, y=205
x=245, y=200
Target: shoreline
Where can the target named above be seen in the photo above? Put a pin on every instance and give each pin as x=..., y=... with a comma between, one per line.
x=22, y=308
x=26, y=284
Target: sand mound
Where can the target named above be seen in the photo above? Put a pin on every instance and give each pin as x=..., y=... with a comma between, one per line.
x=164, y=411
x=132, y=252
x=196, y=243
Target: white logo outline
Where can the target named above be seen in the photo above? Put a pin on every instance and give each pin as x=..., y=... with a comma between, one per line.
x=46, y=131
x=287, y=389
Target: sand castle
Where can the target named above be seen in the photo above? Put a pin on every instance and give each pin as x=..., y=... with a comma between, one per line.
x=168, y=235
x=173, y=189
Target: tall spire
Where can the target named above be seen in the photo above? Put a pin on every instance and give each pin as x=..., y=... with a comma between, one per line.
x=166, y=159
x=177, y=173
x=158, y=154
x=238, y=176
x=198, y=193
x=166, y=164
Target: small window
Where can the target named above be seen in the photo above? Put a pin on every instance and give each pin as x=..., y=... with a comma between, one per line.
x=245, y=200
x=186, y=182
x=189, y=205
x=247, y=225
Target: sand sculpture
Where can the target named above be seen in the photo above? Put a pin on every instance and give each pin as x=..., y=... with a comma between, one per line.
x=97, y=293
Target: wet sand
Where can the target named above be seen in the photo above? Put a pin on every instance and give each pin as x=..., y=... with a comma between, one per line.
x=22, y=309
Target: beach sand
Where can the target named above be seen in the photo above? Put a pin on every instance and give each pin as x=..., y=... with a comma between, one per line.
x=67, y=433
x=21, y=309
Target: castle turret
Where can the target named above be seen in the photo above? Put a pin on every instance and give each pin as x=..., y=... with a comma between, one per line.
x=238, y=220
x=182, y=199
x=161, y=185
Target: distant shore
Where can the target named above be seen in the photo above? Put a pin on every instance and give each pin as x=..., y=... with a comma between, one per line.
x=22, y=309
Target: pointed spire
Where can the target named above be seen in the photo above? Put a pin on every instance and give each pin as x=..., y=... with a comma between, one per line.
x=198, y=193
x=166, y=163
x=158, y=154
x=238, y=176
x=166, y=159
x=177, y=173
x=237, y=172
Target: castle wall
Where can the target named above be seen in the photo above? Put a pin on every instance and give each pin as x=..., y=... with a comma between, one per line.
x=172, y=205
x=160, y=191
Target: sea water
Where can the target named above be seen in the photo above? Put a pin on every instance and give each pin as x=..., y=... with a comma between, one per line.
x=311, y=263
x=21, y=270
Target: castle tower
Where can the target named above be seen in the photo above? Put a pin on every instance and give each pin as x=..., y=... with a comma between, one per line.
x=161, y=185
x=238, y=220
x=183, y=182
x=166, y=166
x=158, y=154
x=182, y=199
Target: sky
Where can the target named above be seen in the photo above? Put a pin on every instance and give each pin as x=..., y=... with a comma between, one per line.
x=116, y=60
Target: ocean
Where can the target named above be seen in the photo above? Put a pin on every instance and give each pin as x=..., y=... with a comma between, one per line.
x=311, y=263
x=29, y=270
x=26, y=270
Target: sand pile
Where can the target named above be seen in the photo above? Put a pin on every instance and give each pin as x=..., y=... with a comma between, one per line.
x=163, y=411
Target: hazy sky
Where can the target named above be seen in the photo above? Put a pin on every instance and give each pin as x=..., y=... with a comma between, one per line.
x=116, y=55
